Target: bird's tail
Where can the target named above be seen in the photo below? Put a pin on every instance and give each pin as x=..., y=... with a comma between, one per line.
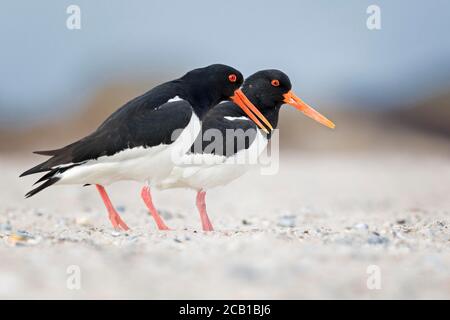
x=46, y=165
x=46, y=184
x=53, y=166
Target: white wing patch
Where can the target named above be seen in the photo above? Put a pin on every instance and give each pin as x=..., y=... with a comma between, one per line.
x=176, y=98
x=236, y=118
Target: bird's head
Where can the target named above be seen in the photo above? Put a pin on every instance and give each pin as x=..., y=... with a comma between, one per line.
x=271, y=88
x=210, y=85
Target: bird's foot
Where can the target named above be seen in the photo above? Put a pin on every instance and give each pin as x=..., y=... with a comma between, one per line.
x=208, y=227
x=161, y=225
x=117, y=222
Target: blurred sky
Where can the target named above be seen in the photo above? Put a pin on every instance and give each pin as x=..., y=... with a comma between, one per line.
x=323, y=45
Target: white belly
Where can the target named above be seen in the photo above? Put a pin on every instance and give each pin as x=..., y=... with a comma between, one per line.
x=151, y=164
x=208, y=171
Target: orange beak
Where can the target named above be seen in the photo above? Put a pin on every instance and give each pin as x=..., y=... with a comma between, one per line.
x=291, y=99
x=252, y=112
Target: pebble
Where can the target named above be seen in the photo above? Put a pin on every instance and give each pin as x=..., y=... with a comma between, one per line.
x=82, y=221
x=38, y=213
x=5, y=227
x=121, y=208
x=361, y=226
x=115, y=233
x=133, y=239
x=22, y=238
x=375, y=238
x=24, y=233
x=399, y=235
x=61, y=222
x=287, y=221
x=15, y=239
x=440, y=223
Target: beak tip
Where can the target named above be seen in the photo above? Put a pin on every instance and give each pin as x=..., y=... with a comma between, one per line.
x=291, y=99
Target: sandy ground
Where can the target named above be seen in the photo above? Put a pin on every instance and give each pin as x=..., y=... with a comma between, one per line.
x=322, y=227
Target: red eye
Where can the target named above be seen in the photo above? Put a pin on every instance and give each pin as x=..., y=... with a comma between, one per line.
x=232, y=77
x=275, y=83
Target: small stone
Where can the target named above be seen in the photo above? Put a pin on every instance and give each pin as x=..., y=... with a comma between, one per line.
x=440, y=223
x=399, y=235
x=361, y=226
x=133, y=239
x=82, y=221
x=375, y=239
x=4, y=227
x=62, y=222
x=246, y=222
x=121, y=209
x=401, y=221
x=22, y=238
x=24, y=234
x=287, y=221
x=115, y=233
x=16, y=239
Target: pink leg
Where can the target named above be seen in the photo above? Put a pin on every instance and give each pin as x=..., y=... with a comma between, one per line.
x=201, y=205
x=147, y=197
x=114, y=217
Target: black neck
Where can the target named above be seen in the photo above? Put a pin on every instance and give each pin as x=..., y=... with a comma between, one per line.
x=201, y=100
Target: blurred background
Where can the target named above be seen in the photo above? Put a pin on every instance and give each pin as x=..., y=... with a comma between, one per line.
x=383, y=88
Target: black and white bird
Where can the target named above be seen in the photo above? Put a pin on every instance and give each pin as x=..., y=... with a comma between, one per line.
x=143, y=139
x=209, y=164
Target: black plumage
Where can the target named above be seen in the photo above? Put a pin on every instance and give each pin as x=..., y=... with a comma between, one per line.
x=146, y=121
x=144, y=127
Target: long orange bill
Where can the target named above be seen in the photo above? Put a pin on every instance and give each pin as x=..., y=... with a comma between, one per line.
x=291, y=99
x=252, y=112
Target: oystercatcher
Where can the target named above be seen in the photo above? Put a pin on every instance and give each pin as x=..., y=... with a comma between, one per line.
x=208, y=165
x=141, y=140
